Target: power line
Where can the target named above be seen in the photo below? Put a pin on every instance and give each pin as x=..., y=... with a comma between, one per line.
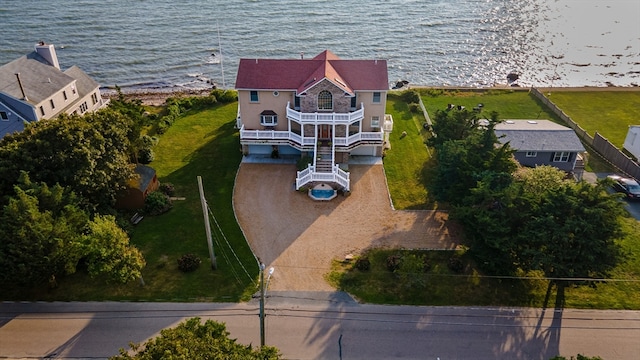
x=215, y=221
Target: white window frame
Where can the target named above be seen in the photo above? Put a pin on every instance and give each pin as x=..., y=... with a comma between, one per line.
x=377, y=97
x=251, y=96
x=531, y=154
x=325, y=100
x=375, y=121
x=268, y=120
x=561, y=156
x=52, y=103
x=83, y=107
x=94, y=98
x=42, y=113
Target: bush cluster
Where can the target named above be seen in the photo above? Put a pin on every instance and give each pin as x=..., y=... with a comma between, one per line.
x=455, y=264
x=188, y=262
x=167, y=189
x=363, y=264
x=393, y=262
x=145, y=156
x=157, y=203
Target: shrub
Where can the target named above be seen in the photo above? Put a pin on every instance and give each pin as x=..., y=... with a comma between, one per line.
x=411, y=271
x=148, y=142
x=455, y=264
x=410, y=96
x=225, y=96
x=167, y=189
x=188, y=262
x=393, y=262
x=157, y=203
x=414, y=107
x=145, y=156
x=363, y=264
x=162, y=127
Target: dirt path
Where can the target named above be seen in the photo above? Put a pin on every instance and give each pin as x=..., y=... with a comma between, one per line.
x=299, y=236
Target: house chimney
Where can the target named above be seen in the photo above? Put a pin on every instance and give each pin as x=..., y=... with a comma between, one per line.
x=24, y=96
x=48, y=52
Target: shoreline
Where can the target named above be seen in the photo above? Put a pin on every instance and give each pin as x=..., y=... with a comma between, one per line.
x=155, y=97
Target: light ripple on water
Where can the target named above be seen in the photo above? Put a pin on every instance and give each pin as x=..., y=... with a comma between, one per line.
x=463, y=43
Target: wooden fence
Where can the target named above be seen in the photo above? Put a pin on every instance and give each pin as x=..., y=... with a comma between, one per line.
x=598, y=143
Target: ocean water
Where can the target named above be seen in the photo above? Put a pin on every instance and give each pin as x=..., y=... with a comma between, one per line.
x=169, y=45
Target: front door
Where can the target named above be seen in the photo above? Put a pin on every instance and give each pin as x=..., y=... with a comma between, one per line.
x=325, y=132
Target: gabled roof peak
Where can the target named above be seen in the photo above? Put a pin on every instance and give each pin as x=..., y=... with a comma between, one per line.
x=303, y=74
x=326, y=55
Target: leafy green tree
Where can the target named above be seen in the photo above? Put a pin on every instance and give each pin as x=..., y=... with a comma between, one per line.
x=86, y=154
x=466, y=151
x=192, y=339
x=40, y=231
x=109, y=253
x=46, y=234
x=544, y=222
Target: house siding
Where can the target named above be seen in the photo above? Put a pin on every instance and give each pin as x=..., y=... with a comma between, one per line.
x=545, y=158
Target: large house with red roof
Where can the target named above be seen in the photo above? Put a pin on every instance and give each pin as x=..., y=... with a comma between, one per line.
x=326, y=109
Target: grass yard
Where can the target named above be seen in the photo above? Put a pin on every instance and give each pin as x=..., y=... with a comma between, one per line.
x=407, y=160
x=201, y=143
x=608, y=112
x=510, y=104
x=205, y=144
x=513, y=104
x=405, y=166
x=440, y=286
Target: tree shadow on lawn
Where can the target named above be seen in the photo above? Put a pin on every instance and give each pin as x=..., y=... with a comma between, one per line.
x=182, y=230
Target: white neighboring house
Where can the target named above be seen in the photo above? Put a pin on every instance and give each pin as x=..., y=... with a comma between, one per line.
x=632, y=141
x=33, y=87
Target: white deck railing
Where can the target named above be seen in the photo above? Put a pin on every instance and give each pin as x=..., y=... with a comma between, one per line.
x=326, y=118
x=307, y=140
x=309, y=174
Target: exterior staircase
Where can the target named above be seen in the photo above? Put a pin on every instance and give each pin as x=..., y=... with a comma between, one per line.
x=324, y=159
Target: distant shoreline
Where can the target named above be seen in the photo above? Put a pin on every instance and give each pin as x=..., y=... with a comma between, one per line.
x=154, y=97
x=151, y=97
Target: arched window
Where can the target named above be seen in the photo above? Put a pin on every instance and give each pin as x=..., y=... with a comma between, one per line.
x=325, y=100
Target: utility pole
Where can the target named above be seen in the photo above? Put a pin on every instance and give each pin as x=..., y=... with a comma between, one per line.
x=261, y=305
x=207, y=227
x=263, y=290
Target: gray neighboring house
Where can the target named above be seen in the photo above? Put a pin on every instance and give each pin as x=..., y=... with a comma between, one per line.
x=33, y=87
x=543, y=142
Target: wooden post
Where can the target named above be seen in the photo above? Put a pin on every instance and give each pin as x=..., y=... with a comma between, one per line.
x=207, y=227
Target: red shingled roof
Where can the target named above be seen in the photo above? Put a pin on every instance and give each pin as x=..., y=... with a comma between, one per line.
x=301, y=74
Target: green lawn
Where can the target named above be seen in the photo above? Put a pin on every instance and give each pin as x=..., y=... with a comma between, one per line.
x=608, y=112
x=201, y=143
x=406, y=162
x=470, y=287
x=510, y=104
x=520, y=104
x=205, y=143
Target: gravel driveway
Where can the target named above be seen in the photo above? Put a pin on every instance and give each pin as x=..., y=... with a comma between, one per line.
x=299, y=236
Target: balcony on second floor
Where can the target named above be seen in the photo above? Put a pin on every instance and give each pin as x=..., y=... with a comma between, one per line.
x=313, y=118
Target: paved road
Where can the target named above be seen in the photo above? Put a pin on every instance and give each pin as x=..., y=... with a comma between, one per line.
x=326, y=326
